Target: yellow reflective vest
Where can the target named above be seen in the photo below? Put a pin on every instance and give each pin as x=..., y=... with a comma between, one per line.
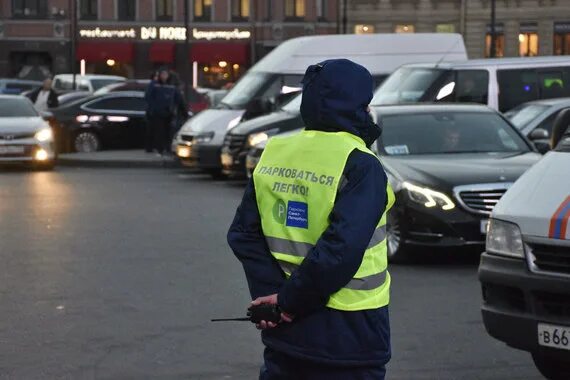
x=296, y=183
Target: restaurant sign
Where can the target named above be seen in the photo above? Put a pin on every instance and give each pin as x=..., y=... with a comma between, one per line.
x=164, y=33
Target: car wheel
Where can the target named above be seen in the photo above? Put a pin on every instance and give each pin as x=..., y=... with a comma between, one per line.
x=551, y=368
x=398, y=252
x=86, y=142
x=217, y=174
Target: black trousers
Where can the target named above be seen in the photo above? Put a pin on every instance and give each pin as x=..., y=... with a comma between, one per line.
x=279, y=366
x=158, y=134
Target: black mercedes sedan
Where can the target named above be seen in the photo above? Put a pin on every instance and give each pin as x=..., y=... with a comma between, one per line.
x=448, y=165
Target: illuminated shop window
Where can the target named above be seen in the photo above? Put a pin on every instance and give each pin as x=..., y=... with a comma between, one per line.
x=405, y=28
x=363, y=29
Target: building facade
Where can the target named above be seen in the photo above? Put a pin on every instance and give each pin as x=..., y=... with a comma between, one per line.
x=134, y=37
x=523, y=27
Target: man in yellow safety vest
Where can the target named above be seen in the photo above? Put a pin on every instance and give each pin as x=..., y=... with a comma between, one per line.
x=311, y=235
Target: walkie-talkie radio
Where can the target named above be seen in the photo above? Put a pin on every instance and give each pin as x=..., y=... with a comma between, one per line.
x=257, y=313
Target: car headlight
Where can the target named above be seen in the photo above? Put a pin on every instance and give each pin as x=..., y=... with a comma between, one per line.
x=260, y=137
x=504, y=238
x=428, y=197
x=257, y=138
x=44, y=134
x=204, y=138
x=233, y=122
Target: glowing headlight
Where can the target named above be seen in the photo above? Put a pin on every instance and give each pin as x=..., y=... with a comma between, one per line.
x=234, y=122
x=44, y=134
x=257, y=138
x=428, y=197
x=504, y=238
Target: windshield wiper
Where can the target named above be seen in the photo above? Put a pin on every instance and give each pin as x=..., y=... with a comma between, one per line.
x=464, y=151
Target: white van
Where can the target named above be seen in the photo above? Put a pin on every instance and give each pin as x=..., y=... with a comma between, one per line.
x=89, y=82
x=281, y=71
x=525, y=271
x=502, y=83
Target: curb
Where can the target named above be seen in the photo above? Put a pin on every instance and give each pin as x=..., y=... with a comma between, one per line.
x=117, y=164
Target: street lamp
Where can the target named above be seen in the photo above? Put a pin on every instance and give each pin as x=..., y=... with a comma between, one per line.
x=493, y=47
x=73, y=38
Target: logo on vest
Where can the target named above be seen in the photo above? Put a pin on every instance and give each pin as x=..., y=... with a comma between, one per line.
x=292, y=214
x=279, y=210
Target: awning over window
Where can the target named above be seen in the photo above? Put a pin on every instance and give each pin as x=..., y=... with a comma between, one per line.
x=213, y=52
x=102, y=51
x=162, y=52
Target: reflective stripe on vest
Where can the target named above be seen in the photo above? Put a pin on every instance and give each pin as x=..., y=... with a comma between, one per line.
x=365, y=283
x=296, y=183
x=295, y=248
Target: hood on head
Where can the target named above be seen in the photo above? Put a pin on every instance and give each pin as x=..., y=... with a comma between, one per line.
x=336, y=94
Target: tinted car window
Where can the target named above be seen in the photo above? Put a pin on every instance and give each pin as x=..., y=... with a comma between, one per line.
x=449, y=132
x=472, y=86
x=552, y=85
x=516, y=87
x=17, y=108
x=130, y=103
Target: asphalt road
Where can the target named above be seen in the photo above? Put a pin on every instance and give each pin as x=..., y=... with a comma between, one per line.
x=115, y=273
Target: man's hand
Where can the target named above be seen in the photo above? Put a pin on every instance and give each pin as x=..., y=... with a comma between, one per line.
x=270, y=300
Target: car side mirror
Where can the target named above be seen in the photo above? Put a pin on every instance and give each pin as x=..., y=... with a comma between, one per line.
x=542, y=147
x=539, y=134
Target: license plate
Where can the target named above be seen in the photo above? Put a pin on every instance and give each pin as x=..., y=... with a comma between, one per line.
x=11, y=149
x=484, y=226
x=227, y=160
x=554, y=336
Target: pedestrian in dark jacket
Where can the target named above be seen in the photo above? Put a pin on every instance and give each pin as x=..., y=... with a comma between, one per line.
x=163, y=102
x=313, y=340
x=44, y=97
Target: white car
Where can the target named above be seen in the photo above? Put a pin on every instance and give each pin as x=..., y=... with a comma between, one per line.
x=89, y=82
x=25, y=137
x=525, y=271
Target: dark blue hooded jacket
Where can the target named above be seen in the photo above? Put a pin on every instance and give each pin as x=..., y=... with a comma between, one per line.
x=336, y=94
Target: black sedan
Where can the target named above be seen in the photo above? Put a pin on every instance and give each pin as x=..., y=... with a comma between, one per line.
x=113, y=120
x=449, y=165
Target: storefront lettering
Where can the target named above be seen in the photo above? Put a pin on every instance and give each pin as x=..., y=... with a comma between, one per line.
x=108, y=33
x=165, y=33
x=235, y=34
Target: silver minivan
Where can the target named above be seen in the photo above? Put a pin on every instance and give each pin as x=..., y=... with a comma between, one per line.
x=502, y=83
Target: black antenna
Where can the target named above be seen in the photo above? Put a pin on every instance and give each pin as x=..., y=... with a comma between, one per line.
x=447, y=52
x=230, y=319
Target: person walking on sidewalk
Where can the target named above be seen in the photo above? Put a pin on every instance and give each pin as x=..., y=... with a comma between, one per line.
x=311, y=235
x=163, y=102
x=44, y=97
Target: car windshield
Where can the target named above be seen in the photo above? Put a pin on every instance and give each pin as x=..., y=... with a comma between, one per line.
x=99, y=83
x=449, y=132
x=245, y=90
x=407, y=85
x=294, y=105
x=17, y=107
x=525, y=113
